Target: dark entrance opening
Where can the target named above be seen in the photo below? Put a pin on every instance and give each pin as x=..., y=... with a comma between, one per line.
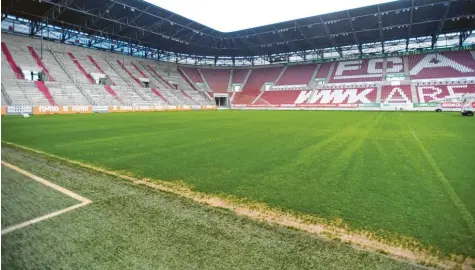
x=221, y=101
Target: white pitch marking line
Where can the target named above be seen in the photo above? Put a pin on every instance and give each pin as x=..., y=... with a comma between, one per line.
x=84, y=201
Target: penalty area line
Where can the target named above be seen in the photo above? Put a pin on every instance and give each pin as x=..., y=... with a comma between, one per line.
x=84, y=201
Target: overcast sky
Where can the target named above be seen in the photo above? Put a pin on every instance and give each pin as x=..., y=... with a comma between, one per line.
x=233, y=15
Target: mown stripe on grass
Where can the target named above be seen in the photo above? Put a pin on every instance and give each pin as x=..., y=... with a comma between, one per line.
x=337, y=136
x=264, y=213
x=467, y=216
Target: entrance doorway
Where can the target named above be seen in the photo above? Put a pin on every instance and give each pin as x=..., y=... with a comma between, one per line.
x=221, y=101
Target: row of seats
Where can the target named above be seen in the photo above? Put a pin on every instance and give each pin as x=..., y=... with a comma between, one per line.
x=430, y=93
x=442, y=65
x=297, y=74
x=70, y=83
x=391, y=94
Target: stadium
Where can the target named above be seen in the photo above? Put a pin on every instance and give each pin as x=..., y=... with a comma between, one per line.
x=136, y=138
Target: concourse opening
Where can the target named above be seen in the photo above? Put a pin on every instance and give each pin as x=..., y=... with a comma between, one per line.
x=222, y=101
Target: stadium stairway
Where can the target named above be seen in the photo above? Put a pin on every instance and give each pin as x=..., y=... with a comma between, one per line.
x=276, y=81
x=112, y=92
x=120, y=77
x=63, y=75
x=124, y=68
x=431, y=76
x=205, y=82
x=296, y=75
x=40, y=63
x=6, y=100
x=159, y=77
x=187, y=78
x=230, y=80
x=246, y=79
x=311, y=82
x=378, y=93
x=170, y=97
x=330, y=71
x=157, y=93
x=153, y=79
x=139, y=70
x=81, y=69
x=16, y=94
x=239, y=76
x=415, y=99
x=153, y=82
x=186, y=95
x=16, y=70
x=217, y=79
x=43, y=89
x=93, y=61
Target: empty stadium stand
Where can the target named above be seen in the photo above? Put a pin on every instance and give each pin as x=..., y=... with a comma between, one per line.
x=217, y=79
x=442, y=65
x=280, y=97
x=255, y=81
x=297, y=75
x=71, y=76
x=396, y=94
x=365, y=70
x=433, y=92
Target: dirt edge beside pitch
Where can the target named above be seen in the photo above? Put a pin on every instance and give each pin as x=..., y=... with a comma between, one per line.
x=264, y=213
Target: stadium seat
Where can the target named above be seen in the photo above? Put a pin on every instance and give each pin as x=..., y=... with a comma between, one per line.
x=396, y=94
x=442, y=65
x=297, y=75
x=218, y=79
x=357, y=71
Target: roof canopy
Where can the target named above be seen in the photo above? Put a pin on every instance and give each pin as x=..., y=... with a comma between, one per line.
x=143, y=23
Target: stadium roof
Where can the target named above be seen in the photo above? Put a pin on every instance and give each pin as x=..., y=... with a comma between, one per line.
x=230, y=16
x=140, y=22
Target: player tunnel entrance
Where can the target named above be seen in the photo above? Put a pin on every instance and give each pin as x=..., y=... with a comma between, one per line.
x=222, y=101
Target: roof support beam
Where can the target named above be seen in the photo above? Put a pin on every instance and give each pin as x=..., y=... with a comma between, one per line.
x=135, y=18
x=463, y=36
x=380, y=23
x=441, y=23
x=329, y=35
x=125, y=5
x=366, y=30
x=182, y=29
x=282, y=38
x=409, y=30
x=297, y=26
x=350, y=20
x=114, y=21
x=365, y=15
x=53, y=13
x=99, y=37
x=95, y=20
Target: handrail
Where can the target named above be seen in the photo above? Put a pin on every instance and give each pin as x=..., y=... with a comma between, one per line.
x=5, y=94
x=78, y=85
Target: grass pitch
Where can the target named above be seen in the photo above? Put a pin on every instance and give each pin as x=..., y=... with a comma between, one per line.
x=133, y=227
x=395, y=174
x=24, y=199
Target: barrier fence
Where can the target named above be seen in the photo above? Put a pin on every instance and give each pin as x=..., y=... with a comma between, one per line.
x=41, y=110
x=354, y=106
